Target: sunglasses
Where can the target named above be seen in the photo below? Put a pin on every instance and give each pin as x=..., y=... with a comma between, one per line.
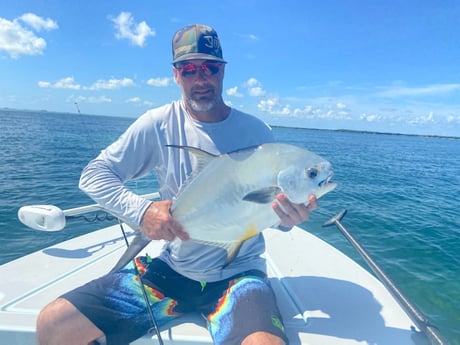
x=190, y=69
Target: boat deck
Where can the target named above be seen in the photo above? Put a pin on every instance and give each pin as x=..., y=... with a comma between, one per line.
x=325, y=297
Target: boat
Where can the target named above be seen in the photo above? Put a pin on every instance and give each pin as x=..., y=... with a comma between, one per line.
x=324, y=296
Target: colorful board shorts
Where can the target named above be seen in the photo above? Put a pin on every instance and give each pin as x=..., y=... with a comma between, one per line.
x=233, y=308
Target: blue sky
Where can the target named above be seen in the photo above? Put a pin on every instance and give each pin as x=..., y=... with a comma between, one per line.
x=390, y=66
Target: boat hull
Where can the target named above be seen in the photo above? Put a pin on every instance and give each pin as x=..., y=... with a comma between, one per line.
x=324, y=296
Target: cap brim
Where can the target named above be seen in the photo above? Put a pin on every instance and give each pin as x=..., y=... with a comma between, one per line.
x=198, y=56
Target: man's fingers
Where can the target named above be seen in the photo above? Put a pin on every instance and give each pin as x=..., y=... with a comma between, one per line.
x=313, y=202
x=158, y=223
x=178, y=231
x=292, y=214
x=280, y=212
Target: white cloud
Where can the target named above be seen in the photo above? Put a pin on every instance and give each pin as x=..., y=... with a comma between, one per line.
x=233, y=91
x=99, y=99
x=38, y=23
x=286, y=110
x=252, y=82
x=306, y=110
x=274, y=107
x=322, y=109
x=367, y=107
x=370, y=117
x=453, y=119
x=134, y=100
x=256, y=91
x=254, y=87
x=112, y=84
x=428, y=90
x=45, y=84
x=139, y=102
x=17, y=40
x=101, y=84
x=64, y=83
x=126, y=28
x=268, y=105
x=429, y=118
x=91, y=99
x=159, y=82
x=249, y=37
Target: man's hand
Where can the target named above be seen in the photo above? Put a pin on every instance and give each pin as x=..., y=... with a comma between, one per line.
x=158, y=223
x=293, y=214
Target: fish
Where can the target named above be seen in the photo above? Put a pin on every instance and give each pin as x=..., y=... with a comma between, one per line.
x=228, y=197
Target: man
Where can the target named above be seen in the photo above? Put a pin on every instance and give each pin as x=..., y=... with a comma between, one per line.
x=235, y=297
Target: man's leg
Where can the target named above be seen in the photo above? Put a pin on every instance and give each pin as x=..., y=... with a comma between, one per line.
x=247, y=314
x=112, y=306
x=262, y=338
x=61, y=323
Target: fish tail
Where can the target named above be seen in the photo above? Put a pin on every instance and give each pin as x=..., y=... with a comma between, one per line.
x=232, y=253
x=138, y=243
x=234, y=250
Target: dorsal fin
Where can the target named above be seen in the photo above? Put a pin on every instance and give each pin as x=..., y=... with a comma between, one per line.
x=203, y=157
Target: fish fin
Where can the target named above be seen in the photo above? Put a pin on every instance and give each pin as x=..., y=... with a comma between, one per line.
x=263, y=195
x=249, y=149
x=233, y=252
x=203, y=157
x=138, y=243
x=233, y=247
x=194, y=150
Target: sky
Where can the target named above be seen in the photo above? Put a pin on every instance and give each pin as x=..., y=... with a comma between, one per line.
x=386, y=66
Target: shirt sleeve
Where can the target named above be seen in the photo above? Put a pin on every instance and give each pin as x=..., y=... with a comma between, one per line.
x=133, y=155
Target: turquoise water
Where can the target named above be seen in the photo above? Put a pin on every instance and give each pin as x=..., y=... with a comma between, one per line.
x=402, y=194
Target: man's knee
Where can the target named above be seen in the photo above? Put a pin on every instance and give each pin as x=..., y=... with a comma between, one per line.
x=262, y=338
x=61, y=323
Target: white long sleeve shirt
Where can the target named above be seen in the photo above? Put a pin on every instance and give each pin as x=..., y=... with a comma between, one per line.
x=142, y=149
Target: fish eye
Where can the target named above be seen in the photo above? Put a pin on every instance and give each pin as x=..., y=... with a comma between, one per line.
x=312, y=172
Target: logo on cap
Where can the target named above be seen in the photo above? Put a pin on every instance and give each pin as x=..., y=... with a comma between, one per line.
x=196, y=42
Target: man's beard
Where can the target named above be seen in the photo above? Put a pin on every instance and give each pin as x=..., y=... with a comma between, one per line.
x=203, y=104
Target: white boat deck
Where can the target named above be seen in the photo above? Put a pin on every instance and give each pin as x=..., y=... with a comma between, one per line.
x=325, y=297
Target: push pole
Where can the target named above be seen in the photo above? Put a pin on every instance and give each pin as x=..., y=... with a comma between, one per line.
x=423, y=324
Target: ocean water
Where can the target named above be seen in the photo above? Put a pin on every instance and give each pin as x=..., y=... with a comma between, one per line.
x=402, y=194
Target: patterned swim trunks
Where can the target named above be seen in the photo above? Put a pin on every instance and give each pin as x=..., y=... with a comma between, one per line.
x=233, y=308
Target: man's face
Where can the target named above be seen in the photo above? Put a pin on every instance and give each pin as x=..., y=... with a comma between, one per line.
x=201, y=82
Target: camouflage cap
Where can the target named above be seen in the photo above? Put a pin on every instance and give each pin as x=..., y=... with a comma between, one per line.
x=196, y=42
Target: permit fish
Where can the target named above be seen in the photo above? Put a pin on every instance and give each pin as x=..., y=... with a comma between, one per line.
x=228, y=198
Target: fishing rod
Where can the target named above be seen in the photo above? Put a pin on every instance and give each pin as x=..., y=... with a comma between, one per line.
x=85, y=128
x=423, y=324
x=153, y=320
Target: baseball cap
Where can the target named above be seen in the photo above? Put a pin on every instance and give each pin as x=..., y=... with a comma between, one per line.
x=196, y=42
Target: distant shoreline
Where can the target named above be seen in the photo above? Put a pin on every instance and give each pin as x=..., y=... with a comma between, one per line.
x=42, y=111
x=373, y=132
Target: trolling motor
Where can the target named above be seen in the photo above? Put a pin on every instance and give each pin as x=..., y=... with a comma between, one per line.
x=42, y=217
